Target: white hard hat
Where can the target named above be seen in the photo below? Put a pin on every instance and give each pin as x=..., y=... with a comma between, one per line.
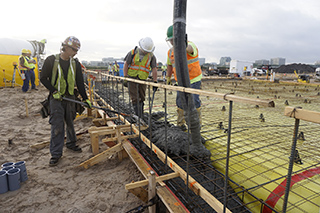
x=146, y=44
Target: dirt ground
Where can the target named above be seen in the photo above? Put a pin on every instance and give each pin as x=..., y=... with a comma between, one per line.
x=64, y=188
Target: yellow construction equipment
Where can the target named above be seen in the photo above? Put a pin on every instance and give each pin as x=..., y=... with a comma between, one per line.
x=302, y=78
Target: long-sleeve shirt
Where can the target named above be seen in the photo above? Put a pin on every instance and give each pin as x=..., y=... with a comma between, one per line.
x=46, y=74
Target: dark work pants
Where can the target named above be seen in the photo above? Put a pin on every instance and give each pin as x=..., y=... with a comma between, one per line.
x=132, y=87
x=30, y=76
x=196, y=98
x=62, y=113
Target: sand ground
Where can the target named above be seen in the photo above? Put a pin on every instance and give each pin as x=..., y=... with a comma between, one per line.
x=64, y=188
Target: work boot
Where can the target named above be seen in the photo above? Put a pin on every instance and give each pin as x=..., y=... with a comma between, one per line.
x=135, y=108
x=183, y=127
x=54, y=161
x=138, y=111
x=141, y=105
x=180, y=120
x=199, y=114
x=74, y=148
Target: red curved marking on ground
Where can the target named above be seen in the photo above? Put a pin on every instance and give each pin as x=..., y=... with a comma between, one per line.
x=280, y=190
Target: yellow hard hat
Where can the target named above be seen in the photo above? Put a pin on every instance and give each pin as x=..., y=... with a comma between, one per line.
x=29, y=51
x=24, y=51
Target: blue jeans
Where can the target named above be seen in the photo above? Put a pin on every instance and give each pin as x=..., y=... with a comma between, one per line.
x=196, y=97
x=30, y=76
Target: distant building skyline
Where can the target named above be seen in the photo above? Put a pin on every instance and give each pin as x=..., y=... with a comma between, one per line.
x=224, y=61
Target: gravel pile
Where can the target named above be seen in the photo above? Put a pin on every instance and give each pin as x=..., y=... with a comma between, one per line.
x=300, y=68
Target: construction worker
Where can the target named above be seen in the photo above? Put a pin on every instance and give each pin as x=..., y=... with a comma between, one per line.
x=60, y=74
x=26, y=67
x=139, y=62
x=116, y=69
x=32, y=63
x=164, y=72
x=195, y=75
x=110, y=68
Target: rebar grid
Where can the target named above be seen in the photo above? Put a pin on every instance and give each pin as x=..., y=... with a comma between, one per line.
x=260, y=145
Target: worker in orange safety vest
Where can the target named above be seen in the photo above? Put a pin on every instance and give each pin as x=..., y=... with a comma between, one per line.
x=195, y=75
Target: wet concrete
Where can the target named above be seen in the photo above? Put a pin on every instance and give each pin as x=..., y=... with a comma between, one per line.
x=170, y=137
x=178, y=142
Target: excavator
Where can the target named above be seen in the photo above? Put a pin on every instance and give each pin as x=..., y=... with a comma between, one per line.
x=302, y=78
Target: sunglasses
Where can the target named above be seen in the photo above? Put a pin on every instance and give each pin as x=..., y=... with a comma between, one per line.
x=74, y=49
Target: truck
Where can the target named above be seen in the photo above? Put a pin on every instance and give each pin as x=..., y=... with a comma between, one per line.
x=240, y=68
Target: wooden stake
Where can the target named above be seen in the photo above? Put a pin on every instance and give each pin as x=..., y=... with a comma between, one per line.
x=152, y=190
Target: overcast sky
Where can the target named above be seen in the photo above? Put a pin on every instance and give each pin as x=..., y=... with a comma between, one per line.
x=242, y=29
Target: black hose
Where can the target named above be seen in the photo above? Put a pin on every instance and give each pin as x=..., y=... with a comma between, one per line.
x=181, y=65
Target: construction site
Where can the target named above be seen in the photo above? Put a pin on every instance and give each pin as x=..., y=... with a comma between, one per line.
x=250, y=127
x=252, y=140
x=253, y=147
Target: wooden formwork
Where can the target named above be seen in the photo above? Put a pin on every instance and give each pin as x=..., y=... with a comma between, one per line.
x=172, y=203
x=118, y=144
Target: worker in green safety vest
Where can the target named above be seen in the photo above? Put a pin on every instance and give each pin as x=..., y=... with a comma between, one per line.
x=26, y=67
x=116, y=69
x=60, y=74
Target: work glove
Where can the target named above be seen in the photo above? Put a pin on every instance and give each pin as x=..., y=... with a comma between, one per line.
x=57, y=95
x=88, y=102
x=168, y=80
x=154, y=88
x=125, y=82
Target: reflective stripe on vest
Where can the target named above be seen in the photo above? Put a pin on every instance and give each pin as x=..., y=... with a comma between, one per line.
x=26, y=64
x=116, y=68
x=59, y=82
x=31, y=65
x=195, y=73
x=140, y=69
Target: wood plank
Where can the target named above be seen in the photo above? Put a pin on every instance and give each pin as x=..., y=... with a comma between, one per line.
x=112, y=126
x=123, y=137
x=141, y=193
x=94, y=143
x=158, y=179
x=46, y=143
x=143, y=167
x=225, y=96
x=172, y=203
x=105, y=119
x=103, y=132
x=102, y=156
x=302, y=114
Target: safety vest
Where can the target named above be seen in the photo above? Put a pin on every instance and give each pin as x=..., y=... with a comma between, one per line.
x=59, y=82
x=25, y=64
x=140, y=68
x=116, y=68
x=31, y=65
x=195, y=73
